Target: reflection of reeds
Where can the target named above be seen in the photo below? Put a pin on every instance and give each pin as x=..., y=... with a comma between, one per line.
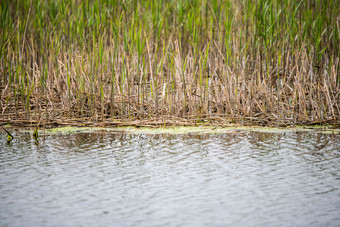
x=263, y=62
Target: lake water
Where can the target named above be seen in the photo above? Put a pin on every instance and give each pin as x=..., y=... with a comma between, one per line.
x=111, y=179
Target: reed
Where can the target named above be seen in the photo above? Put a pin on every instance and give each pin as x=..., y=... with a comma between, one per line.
x=164, y=62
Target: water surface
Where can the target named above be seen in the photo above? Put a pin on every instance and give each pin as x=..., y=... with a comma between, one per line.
x=112, y=179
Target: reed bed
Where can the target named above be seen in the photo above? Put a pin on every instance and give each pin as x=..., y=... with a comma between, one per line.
x=162, y=62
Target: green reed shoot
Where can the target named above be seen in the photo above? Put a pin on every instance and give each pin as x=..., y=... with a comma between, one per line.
x=109, y=59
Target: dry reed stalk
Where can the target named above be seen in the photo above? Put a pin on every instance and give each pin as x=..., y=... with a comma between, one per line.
x=258, y=67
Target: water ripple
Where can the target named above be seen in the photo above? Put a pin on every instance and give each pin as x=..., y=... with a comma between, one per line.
x=241, y=179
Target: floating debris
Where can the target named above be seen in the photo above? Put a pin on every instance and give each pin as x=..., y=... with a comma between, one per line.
x=9, y=135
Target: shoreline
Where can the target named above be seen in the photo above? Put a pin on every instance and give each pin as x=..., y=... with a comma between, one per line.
x=179, y=128
x=179, y=131
x=165, y=122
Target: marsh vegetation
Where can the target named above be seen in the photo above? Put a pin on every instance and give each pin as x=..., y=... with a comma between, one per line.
x=170, y=62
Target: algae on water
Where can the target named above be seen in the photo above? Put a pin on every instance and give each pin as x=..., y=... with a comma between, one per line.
x=179, y=130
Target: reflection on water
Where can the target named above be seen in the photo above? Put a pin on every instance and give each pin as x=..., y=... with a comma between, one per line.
x=237, y=179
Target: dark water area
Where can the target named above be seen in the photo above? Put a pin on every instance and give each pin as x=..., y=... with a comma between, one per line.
x=112, y=179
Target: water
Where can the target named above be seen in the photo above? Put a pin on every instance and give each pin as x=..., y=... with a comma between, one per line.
x=233, y=179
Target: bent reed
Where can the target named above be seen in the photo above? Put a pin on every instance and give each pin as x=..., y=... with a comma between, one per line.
x=162, y=62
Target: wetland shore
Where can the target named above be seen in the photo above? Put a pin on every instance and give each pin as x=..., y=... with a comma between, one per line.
x=169, y=63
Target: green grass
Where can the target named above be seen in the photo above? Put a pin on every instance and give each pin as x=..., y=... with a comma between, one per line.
x=264, y=62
